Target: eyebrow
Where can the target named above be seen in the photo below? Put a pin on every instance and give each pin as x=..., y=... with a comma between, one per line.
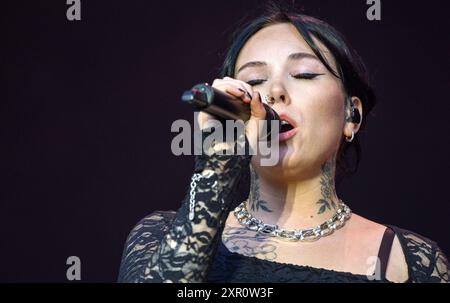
x=293, y=56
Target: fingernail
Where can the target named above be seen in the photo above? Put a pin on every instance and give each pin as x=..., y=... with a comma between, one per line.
x=248, y=95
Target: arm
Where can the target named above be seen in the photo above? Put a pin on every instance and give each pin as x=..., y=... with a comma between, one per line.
x=185, y=251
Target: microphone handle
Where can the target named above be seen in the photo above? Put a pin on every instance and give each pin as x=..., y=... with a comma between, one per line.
x=206, y=98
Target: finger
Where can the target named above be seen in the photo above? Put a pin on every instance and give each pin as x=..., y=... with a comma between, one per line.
x=245, y=86
x=257, y=108
x=245, y=94
x=235, y=90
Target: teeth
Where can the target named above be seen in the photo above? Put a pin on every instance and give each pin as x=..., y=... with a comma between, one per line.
x=284, y=122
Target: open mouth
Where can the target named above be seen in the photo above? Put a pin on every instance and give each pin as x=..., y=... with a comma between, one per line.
x=285, y=126
x=288, y=128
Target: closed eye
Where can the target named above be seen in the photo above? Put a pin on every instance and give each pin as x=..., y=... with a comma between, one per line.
x=307, y=76
x=255, y=82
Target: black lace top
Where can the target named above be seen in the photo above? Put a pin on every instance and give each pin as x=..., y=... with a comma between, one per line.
x=167, y=246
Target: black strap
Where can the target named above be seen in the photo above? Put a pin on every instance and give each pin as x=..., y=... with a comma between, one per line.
x=385, y=250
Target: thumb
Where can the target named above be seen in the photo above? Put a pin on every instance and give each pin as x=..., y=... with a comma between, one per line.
x=258, y=111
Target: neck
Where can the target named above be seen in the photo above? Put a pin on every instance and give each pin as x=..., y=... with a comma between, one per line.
x=302, y=203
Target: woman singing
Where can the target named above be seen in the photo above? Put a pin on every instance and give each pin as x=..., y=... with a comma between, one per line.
x=293, y=227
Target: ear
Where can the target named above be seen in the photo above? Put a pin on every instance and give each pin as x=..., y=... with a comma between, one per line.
x=349, y=125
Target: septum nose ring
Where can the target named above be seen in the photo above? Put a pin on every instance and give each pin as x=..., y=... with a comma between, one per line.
x=267, y=98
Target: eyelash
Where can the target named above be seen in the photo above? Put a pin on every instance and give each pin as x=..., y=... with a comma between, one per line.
x=306, y=76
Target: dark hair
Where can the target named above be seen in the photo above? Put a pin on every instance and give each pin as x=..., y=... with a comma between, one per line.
x=350, y=68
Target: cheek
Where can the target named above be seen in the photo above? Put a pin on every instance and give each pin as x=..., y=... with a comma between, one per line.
x=324, y=115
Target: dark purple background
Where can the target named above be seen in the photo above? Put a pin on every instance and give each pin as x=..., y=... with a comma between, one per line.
x=86, y=110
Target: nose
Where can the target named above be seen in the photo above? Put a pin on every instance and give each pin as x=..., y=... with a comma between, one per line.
x=278, y=94
x=272, y=99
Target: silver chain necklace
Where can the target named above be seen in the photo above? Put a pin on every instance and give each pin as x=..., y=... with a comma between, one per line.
x=341, y=215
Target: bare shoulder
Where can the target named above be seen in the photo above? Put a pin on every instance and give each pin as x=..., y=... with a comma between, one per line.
x=369, y=232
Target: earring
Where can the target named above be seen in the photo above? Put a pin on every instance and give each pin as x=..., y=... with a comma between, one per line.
x=351, y=138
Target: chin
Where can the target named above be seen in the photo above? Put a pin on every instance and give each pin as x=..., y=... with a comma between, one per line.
x=285, y=159
x=284, y=164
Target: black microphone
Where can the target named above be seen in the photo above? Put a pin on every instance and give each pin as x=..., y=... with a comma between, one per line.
x=204, y=97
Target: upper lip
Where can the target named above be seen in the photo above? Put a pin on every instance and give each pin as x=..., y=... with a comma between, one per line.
x=285, y=117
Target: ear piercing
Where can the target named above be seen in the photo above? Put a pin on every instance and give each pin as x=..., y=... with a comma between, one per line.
x=351, y=138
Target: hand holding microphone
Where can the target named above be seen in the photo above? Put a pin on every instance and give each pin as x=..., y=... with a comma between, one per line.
x=233, y=99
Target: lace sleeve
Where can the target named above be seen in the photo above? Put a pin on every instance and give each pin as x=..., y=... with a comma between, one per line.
x=426, y=261
x=441, y=268
x=142, y=241
x=185, y=251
